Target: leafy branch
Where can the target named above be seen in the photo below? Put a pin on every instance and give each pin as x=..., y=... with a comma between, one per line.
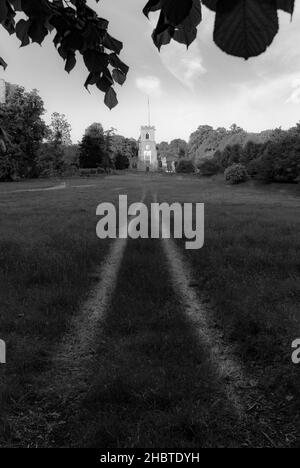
x=78, y=29
x=243, y=28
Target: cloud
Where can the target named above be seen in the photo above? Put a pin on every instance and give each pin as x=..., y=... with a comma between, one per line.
x=265, y=92
x=149, y=85
x=186, y=66
x=295, y=95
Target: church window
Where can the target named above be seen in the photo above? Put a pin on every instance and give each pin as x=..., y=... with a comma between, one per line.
x=147, y=156
x=147, y=136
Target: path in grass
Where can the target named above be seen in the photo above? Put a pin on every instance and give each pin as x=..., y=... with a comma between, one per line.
x=72, y=359
x=222, y=357
x=61, y=186
x=152, y=383
x=141, y=365
x=225, y=364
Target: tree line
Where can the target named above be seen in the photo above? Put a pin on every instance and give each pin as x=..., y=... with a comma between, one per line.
x=268, y=156
x=29, y=148
x=275, y=158
x=105, y=149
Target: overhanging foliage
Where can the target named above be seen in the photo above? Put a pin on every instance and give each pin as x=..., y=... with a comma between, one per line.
x=243, y=28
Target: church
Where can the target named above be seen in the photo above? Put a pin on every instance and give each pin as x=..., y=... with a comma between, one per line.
x=147, y=158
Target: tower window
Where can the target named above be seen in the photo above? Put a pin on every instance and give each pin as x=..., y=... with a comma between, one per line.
x=147, y=136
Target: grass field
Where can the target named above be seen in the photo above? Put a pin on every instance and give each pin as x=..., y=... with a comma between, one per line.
x=150, y=380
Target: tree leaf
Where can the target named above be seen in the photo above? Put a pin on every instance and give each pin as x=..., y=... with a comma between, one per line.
x=152, y=5
x=163, y=32
x=70, y=62
x=176, y=12
x=3, y=63
x=111, y=100
x=113, y=44
x=286, y=5
x=117, y=63
x=22, y=32
x=245, y=28
x=17, y=4
x=103, y=84
x=211, y=4
x=36, y=8
x=91, y=80
x=119, y=76
x=185, y=31
x=37, y=31
x=95, y=61
x=3, y=10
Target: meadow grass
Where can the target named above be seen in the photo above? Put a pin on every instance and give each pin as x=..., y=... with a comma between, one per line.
x=48, y=247
x=249, y=271
x=153, y=385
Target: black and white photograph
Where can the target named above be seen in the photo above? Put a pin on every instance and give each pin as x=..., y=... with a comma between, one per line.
x=149, y=227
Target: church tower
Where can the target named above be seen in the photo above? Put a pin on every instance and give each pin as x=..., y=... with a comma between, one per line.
x=147, y=147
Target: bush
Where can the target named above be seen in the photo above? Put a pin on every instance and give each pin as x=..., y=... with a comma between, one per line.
x=236, y=174
x=185, y=166
x=208, y=167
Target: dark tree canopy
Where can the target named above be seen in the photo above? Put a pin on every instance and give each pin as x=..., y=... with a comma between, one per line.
x=92, y=147
x=243, y=28
x=22, y=131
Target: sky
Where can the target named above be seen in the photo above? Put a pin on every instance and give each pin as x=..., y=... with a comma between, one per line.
x=187, y=88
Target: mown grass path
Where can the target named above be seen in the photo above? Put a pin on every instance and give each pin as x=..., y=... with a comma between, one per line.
x=152, y=384
x=157, y=380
